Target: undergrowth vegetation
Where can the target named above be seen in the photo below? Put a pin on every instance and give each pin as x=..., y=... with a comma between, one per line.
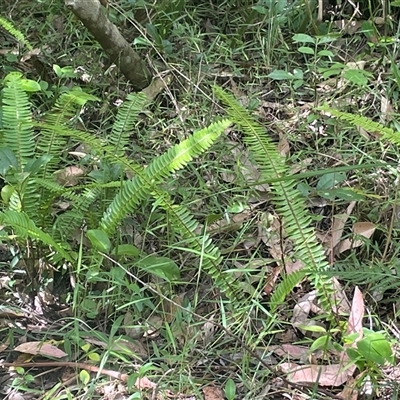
x=235, y=221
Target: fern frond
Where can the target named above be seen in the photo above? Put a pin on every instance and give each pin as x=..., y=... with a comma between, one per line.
x=17, y=124
x=288, y=283
x=145, y=184
x=290, y=204
x=378, y=276
x=13, y=31
x=83, y=211
x=125, y=120
x=184, y=223
x=26, y=228
x=138, y=188
x=365, y=123
x=63, y=113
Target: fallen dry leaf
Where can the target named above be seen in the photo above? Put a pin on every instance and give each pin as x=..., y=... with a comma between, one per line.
x=283, y=145
x=339, y=300
x=356, y=315
x=69, y=176
x=354, y=326
x=41, y=349
x=338, y=224
x=350, y=391
x=271, y=280
x=324, y=375
x=365, y=229
x=293, y=351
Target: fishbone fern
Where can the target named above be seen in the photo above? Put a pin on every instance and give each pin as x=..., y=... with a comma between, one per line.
x=88, y=202
x=13, y=31
x=146, y=183
x=177, y=157
x=289, y=203
x=365, y=123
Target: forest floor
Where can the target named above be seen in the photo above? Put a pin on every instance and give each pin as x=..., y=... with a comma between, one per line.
x=186, y=341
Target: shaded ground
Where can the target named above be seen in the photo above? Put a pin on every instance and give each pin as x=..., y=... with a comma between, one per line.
x=195, y=346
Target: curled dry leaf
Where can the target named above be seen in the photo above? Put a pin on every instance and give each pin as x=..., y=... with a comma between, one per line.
x=339, y=222
x=41, y=349
x=69, y=176
x=339, y=300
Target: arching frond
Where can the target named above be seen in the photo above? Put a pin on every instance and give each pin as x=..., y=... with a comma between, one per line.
x=16, y=124
x=126, y=118
x=13, y=31
x=138, y=188
x=26, y=228
x=289, y=203
x=187, y=226
x=63, y=113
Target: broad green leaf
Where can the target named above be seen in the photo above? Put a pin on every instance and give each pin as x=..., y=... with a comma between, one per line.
x=305, y=50
x=84, y=377
x=353, y=354
x=162, y=267
x=325, y=53
x=312, y=328
x=376, y=348
x=230, y=389
x=326, y=39
x=298, y=73
x=280, y=74
x=346, y=194
x=94, y=357
x=7, y=160
x=127, y=250
x=86, y=347
x=99, y=240
x=6, y=193
x=303, y=38
x=331, y=72
x=57, y=70
x=33, y=166
x=330, y=180
x=320, y=343
x=297, y=83
x=30, y=85
x=304, y=189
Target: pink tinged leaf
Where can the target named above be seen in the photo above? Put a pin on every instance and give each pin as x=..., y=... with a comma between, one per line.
x=356, y=315
x=144, y=383
x=323, y=375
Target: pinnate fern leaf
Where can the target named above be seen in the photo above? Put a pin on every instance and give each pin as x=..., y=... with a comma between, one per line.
x=126, y=117
x=365, y=123
x=289, y=203
x=26, y=228
x=13, y=31
x=138, y=188
x=184, y=223
x=17, y=126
